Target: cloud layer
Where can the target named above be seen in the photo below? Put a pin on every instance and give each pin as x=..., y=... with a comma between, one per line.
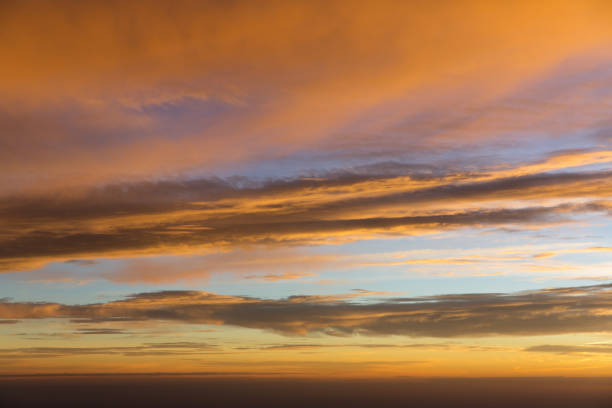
x=186, y=217
x=279, y=148
x=147, y=90
x=553, y=311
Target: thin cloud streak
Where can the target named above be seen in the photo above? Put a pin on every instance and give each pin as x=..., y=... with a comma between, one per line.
x=148, y=349
x=572, y=349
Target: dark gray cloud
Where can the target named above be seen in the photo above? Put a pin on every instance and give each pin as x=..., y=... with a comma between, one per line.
x=544, y=312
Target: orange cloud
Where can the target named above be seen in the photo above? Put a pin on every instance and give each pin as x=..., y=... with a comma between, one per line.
x=284, y=262
x=264, y=71
x=187, y=218
x=279, y=277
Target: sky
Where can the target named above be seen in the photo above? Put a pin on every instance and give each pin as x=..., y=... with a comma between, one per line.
x=324, y=189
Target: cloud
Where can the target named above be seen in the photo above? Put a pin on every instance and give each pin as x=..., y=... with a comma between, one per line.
x=361, y=188
x=572, y=349
x=203, y=85
x=175, y=217
x=88, y=331
x=35, y=249
x=277, y=263
x=147, y=349
x=314, y=346
x=545, y=312
x=157, y=144
x=158, y=272
x=279, y=277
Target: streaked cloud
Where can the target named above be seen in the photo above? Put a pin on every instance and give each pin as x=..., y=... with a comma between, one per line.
x=581, y=309
x=279, y=277
x=186, y=217
x=8, y=321
x=151, y=350
x=572, y=349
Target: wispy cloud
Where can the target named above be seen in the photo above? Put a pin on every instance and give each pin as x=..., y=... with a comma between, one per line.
x=572, y=349
x=279, y=277
x=148, y=349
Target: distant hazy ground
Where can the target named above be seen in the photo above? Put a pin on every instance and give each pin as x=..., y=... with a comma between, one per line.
x=202, y=391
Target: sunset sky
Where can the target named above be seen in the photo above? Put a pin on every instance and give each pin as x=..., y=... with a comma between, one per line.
x=306, y=188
